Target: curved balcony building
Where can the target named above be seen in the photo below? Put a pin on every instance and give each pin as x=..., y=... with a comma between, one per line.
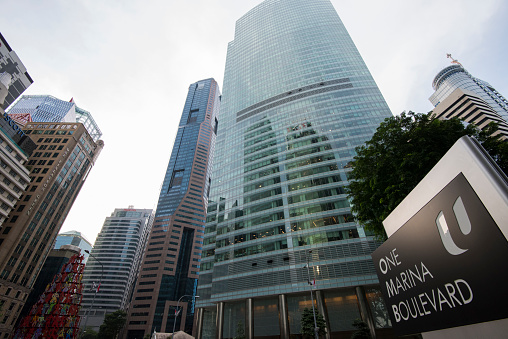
x=455, y=76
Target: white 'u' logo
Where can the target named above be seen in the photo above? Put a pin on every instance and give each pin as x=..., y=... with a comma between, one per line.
x=464, y=225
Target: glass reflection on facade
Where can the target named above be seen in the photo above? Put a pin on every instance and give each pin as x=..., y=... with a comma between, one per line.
x=46, y=108
x=298, y=99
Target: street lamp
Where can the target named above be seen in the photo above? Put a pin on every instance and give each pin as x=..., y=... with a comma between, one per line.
x=177, y=311
x=95, y=293
x=316, y=329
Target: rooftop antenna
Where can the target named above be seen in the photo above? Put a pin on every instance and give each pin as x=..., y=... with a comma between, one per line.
x=454, y=61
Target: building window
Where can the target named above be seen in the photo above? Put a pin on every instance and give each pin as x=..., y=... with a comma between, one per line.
x=176, y=179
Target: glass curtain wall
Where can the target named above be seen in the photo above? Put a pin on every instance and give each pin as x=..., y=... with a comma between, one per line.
x=297, y=100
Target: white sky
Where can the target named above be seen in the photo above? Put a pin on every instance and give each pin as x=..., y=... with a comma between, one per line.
x=130, y=64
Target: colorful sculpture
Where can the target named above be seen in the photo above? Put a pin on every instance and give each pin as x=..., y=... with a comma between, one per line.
x=56, y=313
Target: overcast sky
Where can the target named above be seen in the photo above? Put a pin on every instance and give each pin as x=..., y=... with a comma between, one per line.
x=130, y=64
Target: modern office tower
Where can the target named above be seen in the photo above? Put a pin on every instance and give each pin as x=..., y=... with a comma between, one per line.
x=19, y=79
x=15, y=148
x=170, y=268
x=297, y=100
x=45, y=108
x=59, y=166
x=455, y=76
x=74, y=238
x=467, y=106
x=111, y=270
x=56, y=259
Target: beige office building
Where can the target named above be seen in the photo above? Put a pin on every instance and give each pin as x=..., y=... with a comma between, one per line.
x=59, y=166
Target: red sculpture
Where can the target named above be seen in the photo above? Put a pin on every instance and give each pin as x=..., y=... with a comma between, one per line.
x=56, y=313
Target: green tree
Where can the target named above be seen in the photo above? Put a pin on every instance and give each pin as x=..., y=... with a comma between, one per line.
x=362, y=330
x=240, y=332
x=308, y=324
x=401, y=152
x=89, y=333
x=112, y=324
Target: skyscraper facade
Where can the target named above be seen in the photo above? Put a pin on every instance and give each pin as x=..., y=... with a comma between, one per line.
x=46, y=108
x=64, y=156
x=298, y=99
x=74, y=238
x=114, y=262
x=18, y=79
x=469, y=107
x=169, y=272
x=456, y=76
x=15, y=148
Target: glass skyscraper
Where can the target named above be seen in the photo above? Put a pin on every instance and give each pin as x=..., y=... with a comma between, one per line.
x=74, y=238
x=46, y=108
x=297, y=100
x=456, y=76
x=169, y=272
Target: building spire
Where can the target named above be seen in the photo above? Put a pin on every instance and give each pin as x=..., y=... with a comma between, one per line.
x=454, y=61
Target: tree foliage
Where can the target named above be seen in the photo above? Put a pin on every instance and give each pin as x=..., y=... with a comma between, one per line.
x=362, y=330
x=401, y=152
x=89, y=333
x=112, y=324
x=240, y=331
x=308, y=324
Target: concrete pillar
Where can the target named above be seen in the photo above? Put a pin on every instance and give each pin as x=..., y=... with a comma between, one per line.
x=283, y=317
x=320, y=298
x=199, y=323
x=249, y=318
x=365, y=310
x=219, y=320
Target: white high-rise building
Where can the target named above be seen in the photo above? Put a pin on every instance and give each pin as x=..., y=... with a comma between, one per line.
x=111, y=269
x=456, y=76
